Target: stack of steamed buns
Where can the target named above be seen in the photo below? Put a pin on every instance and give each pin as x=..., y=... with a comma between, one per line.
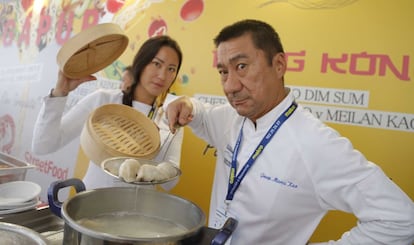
x=131, y=170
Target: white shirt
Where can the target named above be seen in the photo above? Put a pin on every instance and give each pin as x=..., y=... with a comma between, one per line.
x=306, y=170
x=54, y=129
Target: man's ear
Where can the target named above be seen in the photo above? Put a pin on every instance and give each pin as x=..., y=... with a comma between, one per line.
x=280, y=63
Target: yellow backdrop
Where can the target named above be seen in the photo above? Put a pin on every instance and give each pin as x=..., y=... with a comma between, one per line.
x=370, y=39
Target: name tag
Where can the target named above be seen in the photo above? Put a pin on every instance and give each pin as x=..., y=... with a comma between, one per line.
x=221, y=215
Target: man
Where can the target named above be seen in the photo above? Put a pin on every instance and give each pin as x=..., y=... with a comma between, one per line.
x=279, y=170
x=127, y=79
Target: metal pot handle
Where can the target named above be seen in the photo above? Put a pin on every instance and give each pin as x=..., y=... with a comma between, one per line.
x=52, y=193
x=225, y=232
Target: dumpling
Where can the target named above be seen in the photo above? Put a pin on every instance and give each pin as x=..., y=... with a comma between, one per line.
x=128, y=169
x=168, y=169
x=149, y=172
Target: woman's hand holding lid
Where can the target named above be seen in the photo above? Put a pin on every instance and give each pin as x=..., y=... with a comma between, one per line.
x=65, y=85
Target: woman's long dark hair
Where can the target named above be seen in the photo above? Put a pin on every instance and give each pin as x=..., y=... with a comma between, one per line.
x=145, y=56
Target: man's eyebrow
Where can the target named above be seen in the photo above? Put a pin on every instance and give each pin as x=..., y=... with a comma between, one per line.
x=233, y=59
x=237, y=57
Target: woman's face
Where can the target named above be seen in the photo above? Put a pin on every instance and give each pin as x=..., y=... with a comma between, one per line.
x=158, y=75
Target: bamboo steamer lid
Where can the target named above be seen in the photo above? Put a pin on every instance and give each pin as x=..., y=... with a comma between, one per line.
x=116, y=130
x=91, y=50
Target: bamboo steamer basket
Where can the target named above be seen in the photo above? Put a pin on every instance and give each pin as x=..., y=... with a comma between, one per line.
x=91, y=50
x=116, y=130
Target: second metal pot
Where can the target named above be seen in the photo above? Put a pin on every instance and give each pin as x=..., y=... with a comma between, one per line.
x=17, y=234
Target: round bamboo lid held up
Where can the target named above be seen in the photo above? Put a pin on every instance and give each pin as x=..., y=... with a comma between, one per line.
x=91, y=50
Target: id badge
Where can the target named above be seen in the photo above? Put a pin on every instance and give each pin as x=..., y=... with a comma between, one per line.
x=221, y=215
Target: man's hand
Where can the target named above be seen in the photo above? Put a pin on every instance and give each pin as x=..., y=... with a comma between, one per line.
x=179, y=113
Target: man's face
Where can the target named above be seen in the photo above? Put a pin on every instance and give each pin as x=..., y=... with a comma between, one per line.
x=126, y=80
x=252, y=85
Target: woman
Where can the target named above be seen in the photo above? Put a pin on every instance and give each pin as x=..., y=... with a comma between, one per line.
x=155, y=68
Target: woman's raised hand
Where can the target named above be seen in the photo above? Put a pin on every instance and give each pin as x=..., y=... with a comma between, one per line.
x=65, y=85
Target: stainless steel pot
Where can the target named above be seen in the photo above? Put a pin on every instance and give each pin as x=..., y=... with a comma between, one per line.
x=16, y=234
x=130, y=200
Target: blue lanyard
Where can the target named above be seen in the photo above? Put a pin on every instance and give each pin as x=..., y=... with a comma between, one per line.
x=234, y=181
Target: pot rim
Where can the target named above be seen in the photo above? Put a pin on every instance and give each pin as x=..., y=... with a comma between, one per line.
x=116, y=238
x=24, y=231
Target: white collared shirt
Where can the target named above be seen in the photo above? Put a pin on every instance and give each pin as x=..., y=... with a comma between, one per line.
x=306, y=170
